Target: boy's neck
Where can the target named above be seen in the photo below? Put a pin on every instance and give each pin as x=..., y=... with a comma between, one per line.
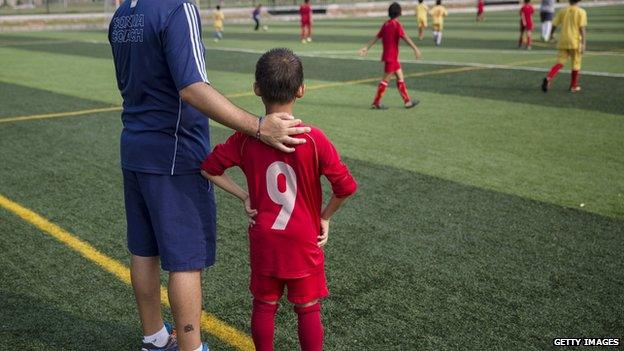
x=276, y=107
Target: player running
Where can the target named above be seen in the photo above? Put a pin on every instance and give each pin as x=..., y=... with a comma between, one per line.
x=390, y=33
x=438, y=12
x=572, y=43
x=287, y=229
x=526, y=24
x=305, y=11
x=218, y=18
x=480, y=10
x=421, y=16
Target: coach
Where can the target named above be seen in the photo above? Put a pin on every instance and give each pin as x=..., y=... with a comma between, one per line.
x=170, y=209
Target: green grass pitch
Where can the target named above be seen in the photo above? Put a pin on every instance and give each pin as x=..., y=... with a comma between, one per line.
x=490, y=217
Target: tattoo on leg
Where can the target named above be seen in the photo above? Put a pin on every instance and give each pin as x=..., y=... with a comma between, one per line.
x=188, y=328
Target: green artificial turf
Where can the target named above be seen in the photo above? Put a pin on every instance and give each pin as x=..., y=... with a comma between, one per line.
x=489, y=217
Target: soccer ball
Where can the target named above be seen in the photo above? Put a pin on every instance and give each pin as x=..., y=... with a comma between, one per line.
x=265, y=28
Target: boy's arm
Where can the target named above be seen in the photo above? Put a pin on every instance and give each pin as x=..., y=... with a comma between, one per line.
x=583, y=40
x=364, y=50
x=332, y=206
x=226, y=183
x=410, y=42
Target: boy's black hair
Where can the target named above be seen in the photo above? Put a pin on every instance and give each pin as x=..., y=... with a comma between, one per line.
x=279, y=74
x=438, y=2
x=306, y=1
x=527, y=1
x=420, y=1
x=574, y=1
x=218, y=7
x=394, y=10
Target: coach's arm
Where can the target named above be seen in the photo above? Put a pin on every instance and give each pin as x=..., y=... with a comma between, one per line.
x=275, y=129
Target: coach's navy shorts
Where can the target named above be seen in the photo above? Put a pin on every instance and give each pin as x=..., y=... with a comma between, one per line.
x=173, y=217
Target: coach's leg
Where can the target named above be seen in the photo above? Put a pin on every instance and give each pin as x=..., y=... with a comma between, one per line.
x=145, y=276
x=186, y=299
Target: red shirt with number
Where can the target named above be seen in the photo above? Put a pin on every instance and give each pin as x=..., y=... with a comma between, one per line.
x=390, y=33
x=285, y=189
x=306, y=13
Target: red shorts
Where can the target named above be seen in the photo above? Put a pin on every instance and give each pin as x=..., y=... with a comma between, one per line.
x=300, y=290
x=392, y=66
x=306, y=22
x=479, y=9
x=529, y=26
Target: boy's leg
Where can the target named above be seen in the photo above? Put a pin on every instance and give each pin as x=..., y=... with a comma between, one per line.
x=529, y=39
x=576, y=69
x=521, y=38
x=263, y=324
x=381, y=88
x=439, y=39
x=305, y=294
x=310, y=327
x=401, y=86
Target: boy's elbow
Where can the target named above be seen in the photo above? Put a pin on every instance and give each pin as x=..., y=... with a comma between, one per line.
x=346, y=190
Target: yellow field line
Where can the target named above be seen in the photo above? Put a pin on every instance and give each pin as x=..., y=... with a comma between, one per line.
x=250, y=93
x=209, y=323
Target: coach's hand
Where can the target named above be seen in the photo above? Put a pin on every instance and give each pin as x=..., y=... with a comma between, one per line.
x=276, y=130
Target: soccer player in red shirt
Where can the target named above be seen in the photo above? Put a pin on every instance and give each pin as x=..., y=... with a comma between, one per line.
x=288, y=226
x=480, y=9
x=526, y=24
x=306, y=21
x=390, y=33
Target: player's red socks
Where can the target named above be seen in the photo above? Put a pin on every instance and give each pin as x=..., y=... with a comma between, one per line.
x=381, y=89
x=554, y=70
x=263, y=325
x=310, y=327
x=574, y=81
x=403, y=90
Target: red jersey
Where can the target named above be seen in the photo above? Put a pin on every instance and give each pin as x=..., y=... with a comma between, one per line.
x=306, y=13
x=390, y=33
x=526, y=16
x=285, y=189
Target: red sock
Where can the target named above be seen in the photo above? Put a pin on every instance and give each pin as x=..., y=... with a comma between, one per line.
x=403, y=90
x=381, y=89
x=574, y=81
x=310, y=327
x=554, y=70
x=263, y=325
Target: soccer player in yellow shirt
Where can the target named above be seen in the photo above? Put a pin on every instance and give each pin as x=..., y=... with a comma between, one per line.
x=438, y=12
x=218, y=18
x=571, y=45
x=421, y=15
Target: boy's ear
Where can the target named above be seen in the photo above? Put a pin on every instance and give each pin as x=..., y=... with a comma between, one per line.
x=301, y=91
x=256, y=89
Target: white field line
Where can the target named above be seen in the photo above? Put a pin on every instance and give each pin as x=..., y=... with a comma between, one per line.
x=427, y=62
x=334, y=54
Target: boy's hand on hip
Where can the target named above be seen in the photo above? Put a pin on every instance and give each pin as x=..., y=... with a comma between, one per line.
x=322, y=239
x=251, y=213
x=276, y=130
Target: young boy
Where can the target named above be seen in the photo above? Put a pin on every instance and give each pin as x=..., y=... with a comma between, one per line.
x=305, y=11
x=255, y=15
x=480, y=10
x=547, y=12
x=438, y=12
x=390, y=33
x=287, y=226
x=218, y=18
x=526, y=24
x=571, y=45
x=421, y=16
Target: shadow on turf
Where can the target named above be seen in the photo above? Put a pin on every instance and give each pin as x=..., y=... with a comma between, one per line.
x=28, y=321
